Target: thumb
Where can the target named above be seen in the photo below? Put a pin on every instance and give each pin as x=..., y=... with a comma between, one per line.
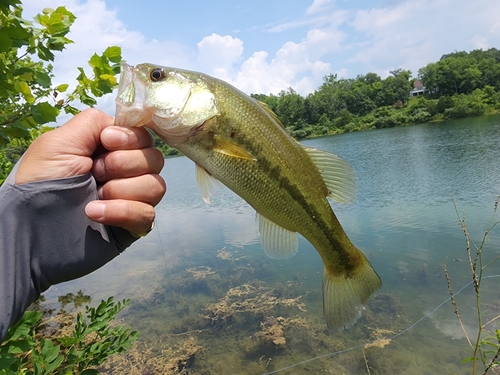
x=65, y=151
x=81, y=135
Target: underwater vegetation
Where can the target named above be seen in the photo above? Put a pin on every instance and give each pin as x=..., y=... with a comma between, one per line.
x=227, y=313
x=246, y=298
x=142, y=359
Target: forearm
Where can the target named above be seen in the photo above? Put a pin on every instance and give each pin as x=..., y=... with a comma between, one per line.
x=46, y=238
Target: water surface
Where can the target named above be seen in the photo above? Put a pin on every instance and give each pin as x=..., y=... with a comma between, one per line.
x=202, y=275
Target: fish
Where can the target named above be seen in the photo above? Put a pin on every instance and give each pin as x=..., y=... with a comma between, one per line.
x=239, y=142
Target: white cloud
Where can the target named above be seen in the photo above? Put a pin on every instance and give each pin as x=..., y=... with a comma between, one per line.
x=98, y=27
x=296, y=65
x=411, y=34
x=328, y=38
x=218, y=54
x=317, y=6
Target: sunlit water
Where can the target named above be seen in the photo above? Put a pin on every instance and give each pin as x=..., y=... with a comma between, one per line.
x=403, y=219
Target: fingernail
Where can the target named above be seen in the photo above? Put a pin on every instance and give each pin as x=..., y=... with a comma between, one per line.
x=116, y=137
x=95, y=210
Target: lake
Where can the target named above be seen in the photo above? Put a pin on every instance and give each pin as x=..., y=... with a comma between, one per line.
x=206, y=298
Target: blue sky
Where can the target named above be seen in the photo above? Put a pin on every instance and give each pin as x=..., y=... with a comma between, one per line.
x=265, y=46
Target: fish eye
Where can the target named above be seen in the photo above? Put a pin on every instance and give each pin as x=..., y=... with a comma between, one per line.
x=157, y=74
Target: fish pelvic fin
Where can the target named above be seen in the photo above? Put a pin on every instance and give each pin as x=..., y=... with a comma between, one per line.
x=207, y=184
x=278, y=242
x=344, y=295
x=338, y=175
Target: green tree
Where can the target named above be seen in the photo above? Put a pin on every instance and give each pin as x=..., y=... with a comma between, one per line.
x=462, y=72
x=28, y=98
x=460, y=84
x=429, y=76
x=444, y=103
x=290, y=109
x=271, y=100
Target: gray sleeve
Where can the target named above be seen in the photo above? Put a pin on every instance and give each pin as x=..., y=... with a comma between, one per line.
x=46, y=238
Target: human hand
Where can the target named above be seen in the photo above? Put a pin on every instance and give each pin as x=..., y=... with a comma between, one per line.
x=122, y=160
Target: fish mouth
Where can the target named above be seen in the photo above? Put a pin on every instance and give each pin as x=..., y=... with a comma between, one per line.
x=130, y=109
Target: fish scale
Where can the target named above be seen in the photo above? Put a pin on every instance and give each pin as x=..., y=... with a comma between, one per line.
x=239, y=142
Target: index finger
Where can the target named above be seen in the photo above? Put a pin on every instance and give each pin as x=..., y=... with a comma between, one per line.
x=122, y=138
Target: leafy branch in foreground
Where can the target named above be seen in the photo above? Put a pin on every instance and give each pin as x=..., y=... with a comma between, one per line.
x=486, y=347
x=92, y=340
x=28, y=98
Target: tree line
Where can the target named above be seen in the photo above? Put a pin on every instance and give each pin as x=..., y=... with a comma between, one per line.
x=460, y=84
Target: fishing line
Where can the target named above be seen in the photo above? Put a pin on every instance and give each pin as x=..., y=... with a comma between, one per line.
x=391, y=338
x=161, y=243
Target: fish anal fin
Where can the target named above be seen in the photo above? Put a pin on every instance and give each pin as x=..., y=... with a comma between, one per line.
x=207, y=184
x=338, y=175
x=278, y=242
x=227, y=147
x=344, y=295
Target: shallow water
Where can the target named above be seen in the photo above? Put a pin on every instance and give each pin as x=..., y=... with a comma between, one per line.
x=202, y=273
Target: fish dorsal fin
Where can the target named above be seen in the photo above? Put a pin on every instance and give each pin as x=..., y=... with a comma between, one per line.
x=339, y=175
x=270, y=113
x=278, y=242
x=227, y=147
x=207, y=184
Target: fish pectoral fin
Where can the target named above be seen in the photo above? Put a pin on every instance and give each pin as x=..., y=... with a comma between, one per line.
x=228, y=147
x=338, y=175
x=278, y=242
x=207, y=184
x=344, y=295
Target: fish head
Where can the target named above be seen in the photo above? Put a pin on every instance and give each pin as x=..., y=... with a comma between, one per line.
x=170, y=101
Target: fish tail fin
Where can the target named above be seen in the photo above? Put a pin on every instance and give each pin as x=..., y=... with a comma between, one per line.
x=344, y=295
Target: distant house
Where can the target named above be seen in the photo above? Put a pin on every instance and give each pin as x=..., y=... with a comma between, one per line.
x=418, y=88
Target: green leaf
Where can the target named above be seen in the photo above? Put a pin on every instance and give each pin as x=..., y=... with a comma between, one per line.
x=114, y=54
x=5, y=4
x=44, y=53
x=5, y=43
x=58, y=43
x=82, y=77
x=110, y=78
x=54, y=365
x=6, y=361
x=44, y=113
x=49, y=350
x=70, y=110
x=19, y=346
x=17, y=130
x=69, y=17
x=43, y=79
x=16, y=32
x=87, y=100
x=62, y=88
x=23, y=326
x=24, y=73
x=23, y=88
x=96, y=61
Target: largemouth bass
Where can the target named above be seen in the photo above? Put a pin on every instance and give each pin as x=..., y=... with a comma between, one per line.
x=238, y=141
